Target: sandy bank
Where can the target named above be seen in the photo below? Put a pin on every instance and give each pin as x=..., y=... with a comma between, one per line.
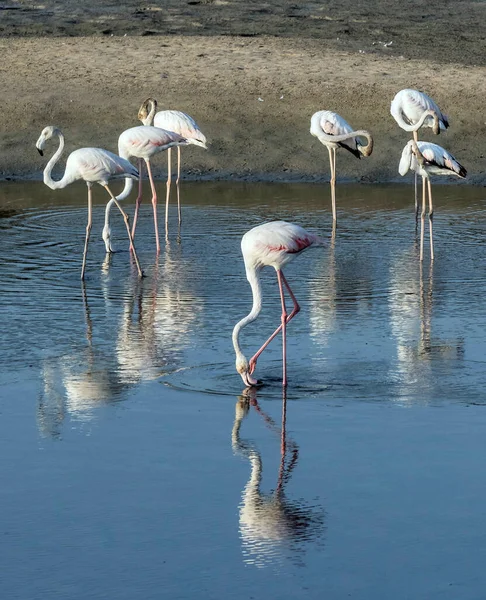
x=253, y=97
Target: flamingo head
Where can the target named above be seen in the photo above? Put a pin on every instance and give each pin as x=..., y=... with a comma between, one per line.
x=243, y=368
x=45, y=135
x=107, y=238
x=147, y=111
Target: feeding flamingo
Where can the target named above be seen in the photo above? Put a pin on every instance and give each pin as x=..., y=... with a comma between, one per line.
x=426, y=158
x=181, y=123
x=333, y=131
x=272, y=244
x=412, y=110
x=93, y=165
x=142, y=143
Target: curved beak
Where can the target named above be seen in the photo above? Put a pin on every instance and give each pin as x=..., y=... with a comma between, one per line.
x=249, y=381
x=41, y=152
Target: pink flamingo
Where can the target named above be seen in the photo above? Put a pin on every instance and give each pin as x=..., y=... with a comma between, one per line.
x=426, y=158
x=269, y=245
x=142, y=143
x=181, y=123
x=93, y=165
x=412, y=110
x=334, y=132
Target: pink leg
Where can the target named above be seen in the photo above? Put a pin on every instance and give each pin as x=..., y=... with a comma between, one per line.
x=139, y=199
x=431, y=212
x=422, y=220
x=154, y=204
x=169, y=178
x=177, y=183
x=284, y=330
x=295, y=310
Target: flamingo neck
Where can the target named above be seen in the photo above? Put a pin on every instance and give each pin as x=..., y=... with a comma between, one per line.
x=254, y=281
x=412, y=128
x=149, y=119
x=55, y=185
x=124, y=194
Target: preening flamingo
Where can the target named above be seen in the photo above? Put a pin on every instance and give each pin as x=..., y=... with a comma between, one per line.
x=142, y=143
x=181, y=123
x=93, y=165
x=425, y=159
x=333, y=131
x=408, y=108
x=272, y=244
x=412, y=110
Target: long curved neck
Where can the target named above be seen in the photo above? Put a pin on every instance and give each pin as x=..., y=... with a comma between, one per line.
x=419, y=123
x=55, y=185
x=365, y=150
x=254, y=281
x=124, y=194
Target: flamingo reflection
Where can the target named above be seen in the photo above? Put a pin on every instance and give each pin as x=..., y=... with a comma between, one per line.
x=158, y=320
x=143, y=342
x=411, y=309
x=271, y=525
x=76, y=383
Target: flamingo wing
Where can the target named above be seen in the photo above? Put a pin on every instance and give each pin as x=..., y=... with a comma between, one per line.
x=145, y=141
x=181, y=123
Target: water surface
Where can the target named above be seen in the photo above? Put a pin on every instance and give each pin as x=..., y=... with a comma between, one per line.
x=136, y=466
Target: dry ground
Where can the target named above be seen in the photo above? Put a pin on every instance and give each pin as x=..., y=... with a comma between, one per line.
x=71, y=64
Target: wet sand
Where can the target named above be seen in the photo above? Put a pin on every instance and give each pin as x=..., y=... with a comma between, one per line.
x=252, y=77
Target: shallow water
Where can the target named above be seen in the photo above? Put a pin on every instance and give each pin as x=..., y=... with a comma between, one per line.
x=134, y=464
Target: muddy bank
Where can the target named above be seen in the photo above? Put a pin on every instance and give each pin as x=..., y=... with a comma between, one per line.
x=253, y=98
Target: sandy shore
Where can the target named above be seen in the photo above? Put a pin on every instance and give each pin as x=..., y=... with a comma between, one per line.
x=253, y=97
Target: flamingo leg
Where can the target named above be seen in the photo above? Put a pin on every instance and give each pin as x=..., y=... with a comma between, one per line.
x=169, y=177
x=334, y=184
x=177, y=183
x=154, y=204
x=295, y=310
x=332, y=162
x=431, y=213
x=415, y=137
x=88, y=229
x=422, y=219
x=284, y=330
x=139, y=198
x=127, y=225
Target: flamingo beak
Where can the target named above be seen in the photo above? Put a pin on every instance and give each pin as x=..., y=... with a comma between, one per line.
x=249, y=381
x=41, y=152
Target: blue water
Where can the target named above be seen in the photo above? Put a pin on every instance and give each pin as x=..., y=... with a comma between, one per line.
x=135, y=465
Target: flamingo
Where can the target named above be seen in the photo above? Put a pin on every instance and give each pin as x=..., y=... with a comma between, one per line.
x=426, y=158
x=332, y=131
x=271, y=244
x=412, y=110
x=142, y=143
x=93, y=165
x=181, y=123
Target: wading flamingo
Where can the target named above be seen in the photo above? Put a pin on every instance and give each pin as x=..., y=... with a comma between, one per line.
x=426, y=158
x=179, y=122
x=93, y=165
x=412, y=110
x=142, y=143
x=333, y=131
x=272, y=244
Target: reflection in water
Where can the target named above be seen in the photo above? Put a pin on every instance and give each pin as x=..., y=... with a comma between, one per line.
x=75, y=383
x=271, y=525
x=146, y=341
x=157, y=321
x=411, y=301
x=323, y=297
